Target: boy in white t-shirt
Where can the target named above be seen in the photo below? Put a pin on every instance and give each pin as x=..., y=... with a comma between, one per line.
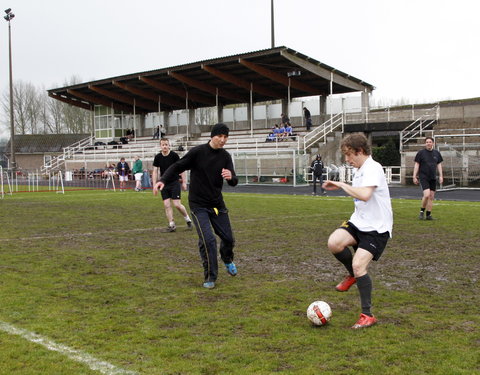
x=370, y=225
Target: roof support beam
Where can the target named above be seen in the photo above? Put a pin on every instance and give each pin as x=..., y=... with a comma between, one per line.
x=207, y=87
x=324, y=73
x=70, y=101
x=240, y=82
x=149, y=95
x=124, y=98
x=99, y=100
x=274, y=76
x=177, y=91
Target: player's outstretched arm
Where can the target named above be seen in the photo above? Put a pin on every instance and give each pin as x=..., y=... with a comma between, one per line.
x=331, y=185
x=363, y=193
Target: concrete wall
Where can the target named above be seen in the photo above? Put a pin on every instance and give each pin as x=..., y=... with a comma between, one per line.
x=30, y=161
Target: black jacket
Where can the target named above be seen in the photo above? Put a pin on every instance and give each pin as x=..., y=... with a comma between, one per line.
x=206, y=181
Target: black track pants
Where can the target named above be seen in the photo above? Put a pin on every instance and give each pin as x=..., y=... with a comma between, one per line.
x=206, y=219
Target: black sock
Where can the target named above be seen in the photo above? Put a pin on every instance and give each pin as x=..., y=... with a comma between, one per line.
x=345, y=257
x=429, y=213
x=364, y=284
x=422, y=209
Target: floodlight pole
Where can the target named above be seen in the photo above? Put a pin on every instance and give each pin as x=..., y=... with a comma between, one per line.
x=273, y=25
x=8, y=18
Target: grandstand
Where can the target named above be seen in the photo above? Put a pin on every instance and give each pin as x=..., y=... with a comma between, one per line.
x=249, y=92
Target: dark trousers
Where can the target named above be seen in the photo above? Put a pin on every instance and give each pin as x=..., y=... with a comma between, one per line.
x=317, y=177
x=309, y=124
x=206, y=219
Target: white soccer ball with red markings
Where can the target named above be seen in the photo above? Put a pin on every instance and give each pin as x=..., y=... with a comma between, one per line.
x=319, y=313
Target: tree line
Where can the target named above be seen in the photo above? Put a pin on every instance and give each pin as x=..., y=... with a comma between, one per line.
x=37, y=113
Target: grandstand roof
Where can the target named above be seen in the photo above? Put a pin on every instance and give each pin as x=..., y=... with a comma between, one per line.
x=268, y=73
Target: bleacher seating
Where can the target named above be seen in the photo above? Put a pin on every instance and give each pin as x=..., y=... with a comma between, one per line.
x=92, y=157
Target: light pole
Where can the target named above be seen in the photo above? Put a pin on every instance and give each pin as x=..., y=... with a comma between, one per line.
x=8, y=18
x=272, y=21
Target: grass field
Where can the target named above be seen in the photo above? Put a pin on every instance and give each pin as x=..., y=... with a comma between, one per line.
x=89, y=285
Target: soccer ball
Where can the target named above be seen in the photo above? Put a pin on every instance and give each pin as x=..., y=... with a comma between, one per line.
x=319, y=313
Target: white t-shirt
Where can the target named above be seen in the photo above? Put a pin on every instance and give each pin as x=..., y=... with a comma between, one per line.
x=376, y=213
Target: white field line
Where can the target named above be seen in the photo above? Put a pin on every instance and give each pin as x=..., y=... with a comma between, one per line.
x=75, y=355
x=137, y=230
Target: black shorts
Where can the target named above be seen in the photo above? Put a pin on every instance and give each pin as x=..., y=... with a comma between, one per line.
x=372, y=241
x=426, y=183
x=171, y=191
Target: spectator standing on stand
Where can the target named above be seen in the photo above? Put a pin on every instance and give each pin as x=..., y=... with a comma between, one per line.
x=209, y=165
x=285, y=119
x=162, y=131
x=308, y=118
x=156, y=135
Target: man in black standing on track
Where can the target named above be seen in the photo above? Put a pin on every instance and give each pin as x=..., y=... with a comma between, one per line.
x=317, y=169
x=427, y=162
x=209, y=165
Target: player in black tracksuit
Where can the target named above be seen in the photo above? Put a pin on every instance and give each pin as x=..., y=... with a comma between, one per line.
x=317, y=168
x=209, y=165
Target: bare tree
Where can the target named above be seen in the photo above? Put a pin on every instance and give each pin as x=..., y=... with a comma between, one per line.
x=76, y=120
x=205, y=116
x=53, y=115
x=37, y=113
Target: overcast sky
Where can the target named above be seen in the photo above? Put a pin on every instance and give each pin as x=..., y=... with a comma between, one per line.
x=422, y=50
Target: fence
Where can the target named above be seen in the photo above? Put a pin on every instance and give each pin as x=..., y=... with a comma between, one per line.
x=55, y=181
x=282, y=166
x=285, y=167
x=461, y=168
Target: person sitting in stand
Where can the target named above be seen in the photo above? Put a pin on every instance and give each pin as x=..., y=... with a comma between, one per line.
x=289, y=131
x=270, y=137
x=281, y=133
x=277, y=132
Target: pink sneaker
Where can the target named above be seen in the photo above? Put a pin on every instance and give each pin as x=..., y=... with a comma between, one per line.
x=346, y=284
x=364, y=321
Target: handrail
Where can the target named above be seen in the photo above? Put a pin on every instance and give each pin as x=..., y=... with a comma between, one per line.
x=68, y=151
x=323, y=130
x=418, y=126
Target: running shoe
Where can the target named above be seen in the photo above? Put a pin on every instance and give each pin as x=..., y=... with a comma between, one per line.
x=189, y=224
x=420, y=216
x=209, y=284
x=171, y=228
x=365, y=321
x=346, y=284
x=231, y=269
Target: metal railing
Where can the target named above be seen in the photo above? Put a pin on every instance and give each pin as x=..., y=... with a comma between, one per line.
x=320, y=133
x=388, y=114
x=68, y=152
x=419, y=126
